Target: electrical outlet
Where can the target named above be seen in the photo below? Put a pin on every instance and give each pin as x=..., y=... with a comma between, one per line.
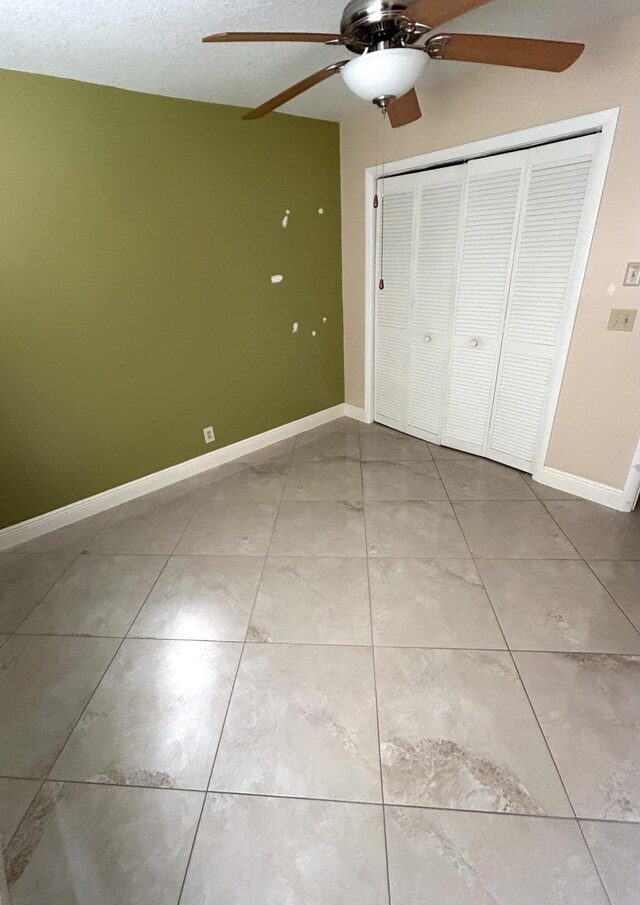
x=632, y=276
x=209, y=435
x=622, y=319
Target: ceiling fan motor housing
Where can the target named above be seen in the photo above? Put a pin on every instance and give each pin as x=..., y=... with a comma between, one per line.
x=376, y=24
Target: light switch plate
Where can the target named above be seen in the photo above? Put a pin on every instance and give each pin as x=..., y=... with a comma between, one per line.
x=632, y=276
x=622, y=319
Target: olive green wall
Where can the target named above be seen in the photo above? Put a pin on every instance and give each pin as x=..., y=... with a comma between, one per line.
x=138, y=235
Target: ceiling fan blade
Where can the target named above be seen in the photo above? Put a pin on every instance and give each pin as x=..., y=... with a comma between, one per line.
x=225, y=37
x=524, y=53
x=295, y=90
x=405, y=110
x=436, y=12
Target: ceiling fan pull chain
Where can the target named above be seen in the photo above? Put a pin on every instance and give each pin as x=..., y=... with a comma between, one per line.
x=381, y=283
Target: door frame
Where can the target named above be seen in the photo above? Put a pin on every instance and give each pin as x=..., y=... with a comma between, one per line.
x=603, y=122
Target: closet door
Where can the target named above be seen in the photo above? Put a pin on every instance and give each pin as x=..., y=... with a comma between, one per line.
x=491, y=210
x=438, y=221
x=418, y=241
x=556, y=183
x=395, y=261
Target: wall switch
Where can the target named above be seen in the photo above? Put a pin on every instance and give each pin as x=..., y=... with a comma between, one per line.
x=622, y=319
x=632, y=276
x=209, y=435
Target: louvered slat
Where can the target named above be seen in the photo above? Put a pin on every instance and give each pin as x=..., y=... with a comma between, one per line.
x=470, y=394
x=391, y=373
x=520, y=397
x=395, y=257
x=488, y=239
x=432, y=311
x=557, y=183
x=555, y=199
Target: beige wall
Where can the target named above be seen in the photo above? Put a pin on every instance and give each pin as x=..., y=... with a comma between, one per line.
x=598, y=417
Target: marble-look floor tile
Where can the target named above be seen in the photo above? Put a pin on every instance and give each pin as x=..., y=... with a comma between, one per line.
x=412, y=528
x=616, y=850
x=15, y=797
x=481, y=479
x=257, y=850
x=156, y=717
x=588, y=706
x=337, y=444
x=150, y=524
x=431, y=603
x=202, y=598
x=230, y=528
x=319, y=529
x=556, y=605
x=275, y=454
x=598, y=532
x=457, y=731
x=330, y=479
x=73, y=538
x=417, y=480
x=105, y=846
x=45, y=683
x=460, y=858
x=445, y=453
x=501, y=529
x=24, y=579
x=621, y=578
x=375, y=428
x=545, y=493
x=97, y=595
x=256, y=483
x=392, y=447
x=301, y=722
x=313, y=600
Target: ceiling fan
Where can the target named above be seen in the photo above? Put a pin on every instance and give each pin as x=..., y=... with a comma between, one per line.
x=387, y=36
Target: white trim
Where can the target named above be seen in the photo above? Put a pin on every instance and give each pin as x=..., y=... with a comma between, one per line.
x=358, y=414
x=631, y=490
x=74, y=512
x=605, y=122
x=580, y=487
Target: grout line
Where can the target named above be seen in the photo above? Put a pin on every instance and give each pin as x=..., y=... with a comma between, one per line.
x=535, y=715
x=375, y=690
x=354, y=801
x=50, y=588
x=373, y=646
x=231, y=692
x=376, y=646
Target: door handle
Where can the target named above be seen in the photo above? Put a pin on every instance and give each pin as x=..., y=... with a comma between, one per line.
x=427, y=338
x=474, y=343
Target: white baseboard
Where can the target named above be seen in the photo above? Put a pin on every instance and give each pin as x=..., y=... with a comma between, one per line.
x=358, y=414
x=582, y=487
x=100, y=502
x=631, y=490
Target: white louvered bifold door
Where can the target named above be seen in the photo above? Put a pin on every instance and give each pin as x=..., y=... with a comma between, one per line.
x=395, y=257
x=489, y=229
x=438, y=222
x=555, y=188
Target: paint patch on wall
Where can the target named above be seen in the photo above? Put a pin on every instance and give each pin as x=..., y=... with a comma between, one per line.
x=611, y=289
x=321, y=211
x=277, y=278
x=324, y=320
x=285, y=219
x=313, y=332
x=295, y=327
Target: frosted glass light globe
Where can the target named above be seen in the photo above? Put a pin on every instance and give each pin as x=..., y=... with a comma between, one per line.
x=385, y=73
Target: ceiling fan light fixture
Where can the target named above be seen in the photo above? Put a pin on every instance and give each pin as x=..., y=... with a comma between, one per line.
x=387, y=73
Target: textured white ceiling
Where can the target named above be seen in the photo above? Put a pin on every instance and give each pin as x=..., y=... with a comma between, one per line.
x=154, y=45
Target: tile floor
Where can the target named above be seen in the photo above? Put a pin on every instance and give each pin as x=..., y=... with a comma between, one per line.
x=352, y=669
